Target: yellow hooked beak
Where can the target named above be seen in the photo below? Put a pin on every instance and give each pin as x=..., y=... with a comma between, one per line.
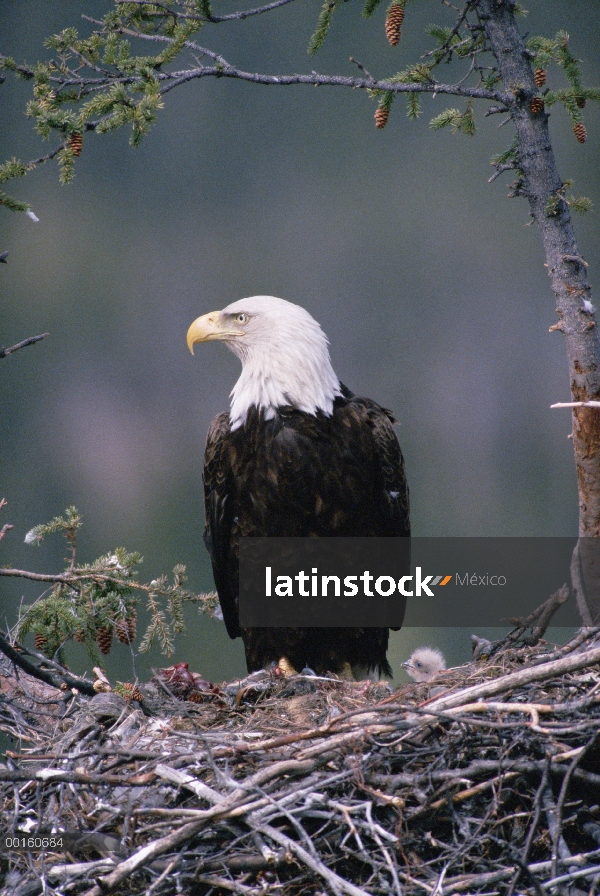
x=204, y=329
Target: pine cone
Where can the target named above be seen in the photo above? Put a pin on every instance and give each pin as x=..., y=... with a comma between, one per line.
x=79, y=635
x=539, y=76
x=121, y=631
x=393, y=23
x=381, y=117
x=40, y=641
x=104, y=639
x=126, y=628
x=75, y=143
x=132, y=692
x=132, y=625
x=536, y=105
x=580, y=132
x=581, y=102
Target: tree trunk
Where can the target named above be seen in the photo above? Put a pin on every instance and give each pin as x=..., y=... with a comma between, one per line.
x=541, y=182
x=565, y=266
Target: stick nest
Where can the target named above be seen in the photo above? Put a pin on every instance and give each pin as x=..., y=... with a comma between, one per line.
x=486, y=780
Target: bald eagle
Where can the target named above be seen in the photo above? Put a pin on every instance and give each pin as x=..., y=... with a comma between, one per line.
x=425, y=663
x=297, y=455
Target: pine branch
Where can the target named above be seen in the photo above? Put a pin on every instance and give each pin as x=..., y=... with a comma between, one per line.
x=89, y=603
x=227, y=70
x=241, y=14
x=57, y=679
x=175, y=79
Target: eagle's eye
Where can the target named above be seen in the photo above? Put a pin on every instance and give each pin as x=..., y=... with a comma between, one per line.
x=241, y=318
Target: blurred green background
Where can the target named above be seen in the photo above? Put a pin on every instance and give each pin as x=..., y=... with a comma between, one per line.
x=430, y=285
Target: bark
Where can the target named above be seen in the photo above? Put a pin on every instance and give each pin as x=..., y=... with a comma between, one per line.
x=566, y=268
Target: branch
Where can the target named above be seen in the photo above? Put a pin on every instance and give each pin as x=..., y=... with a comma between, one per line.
x=226, y=70
x=32, y=339
x=446, y=45
x=500, y=169
x=72, y=579
x=543, y=614
x=57, y=680
x=517, y=679
x=576, y=404
x=242, y=14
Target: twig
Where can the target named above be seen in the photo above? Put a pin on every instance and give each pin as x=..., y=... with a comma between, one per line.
x=5, y=528
x=576, y=404
x=574, y=875
x=557, y=835
x=537, y=808
x=559, y=844
x=578, y=589
x=31, y=341
x=500, y=169
x=361, y=67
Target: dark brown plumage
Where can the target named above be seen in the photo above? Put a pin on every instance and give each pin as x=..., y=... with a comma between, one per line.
x=302, y=475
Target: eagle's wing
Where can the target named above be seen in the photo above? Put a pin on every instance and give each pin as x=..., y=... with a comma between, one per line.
x=220, y=514
x=395, y=505
x=381, y=458
x=391, y=465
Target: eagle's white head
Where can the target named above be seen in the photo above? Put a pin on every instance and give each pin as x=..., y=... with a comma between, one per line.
x=284, y=355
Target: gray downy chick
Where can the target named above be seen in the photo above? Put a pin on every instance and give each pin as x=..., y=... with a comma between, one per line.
x=425, y=663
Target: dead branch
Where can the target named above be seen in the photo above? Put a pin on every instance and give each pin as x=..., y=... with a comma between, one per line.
x=4, y=352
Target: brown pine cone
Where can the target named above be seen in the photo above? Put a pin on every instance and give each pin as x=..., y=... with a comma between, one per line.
x=40, y=641
x=581, y=102
x=536, y=105
x=381, y=117
x=132, y=625
x=79, y=635
x=104, y=639
x=580, y=132
x=121, y=631
x=132, y=692
x=539, y=76
x=75, y=143
x=393, y=23
x=126, y=628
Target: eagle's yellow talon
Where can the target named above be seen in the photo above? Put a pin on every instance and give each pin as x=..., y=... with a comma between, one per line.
x=286, y=667
x=345, y=673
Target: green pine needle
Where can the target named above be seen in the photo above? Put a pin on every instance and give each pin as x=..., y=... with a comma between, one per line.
x=580, y=204
x=370, y=7
x=455, y=120
x=323, y=25
x=413, y=107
